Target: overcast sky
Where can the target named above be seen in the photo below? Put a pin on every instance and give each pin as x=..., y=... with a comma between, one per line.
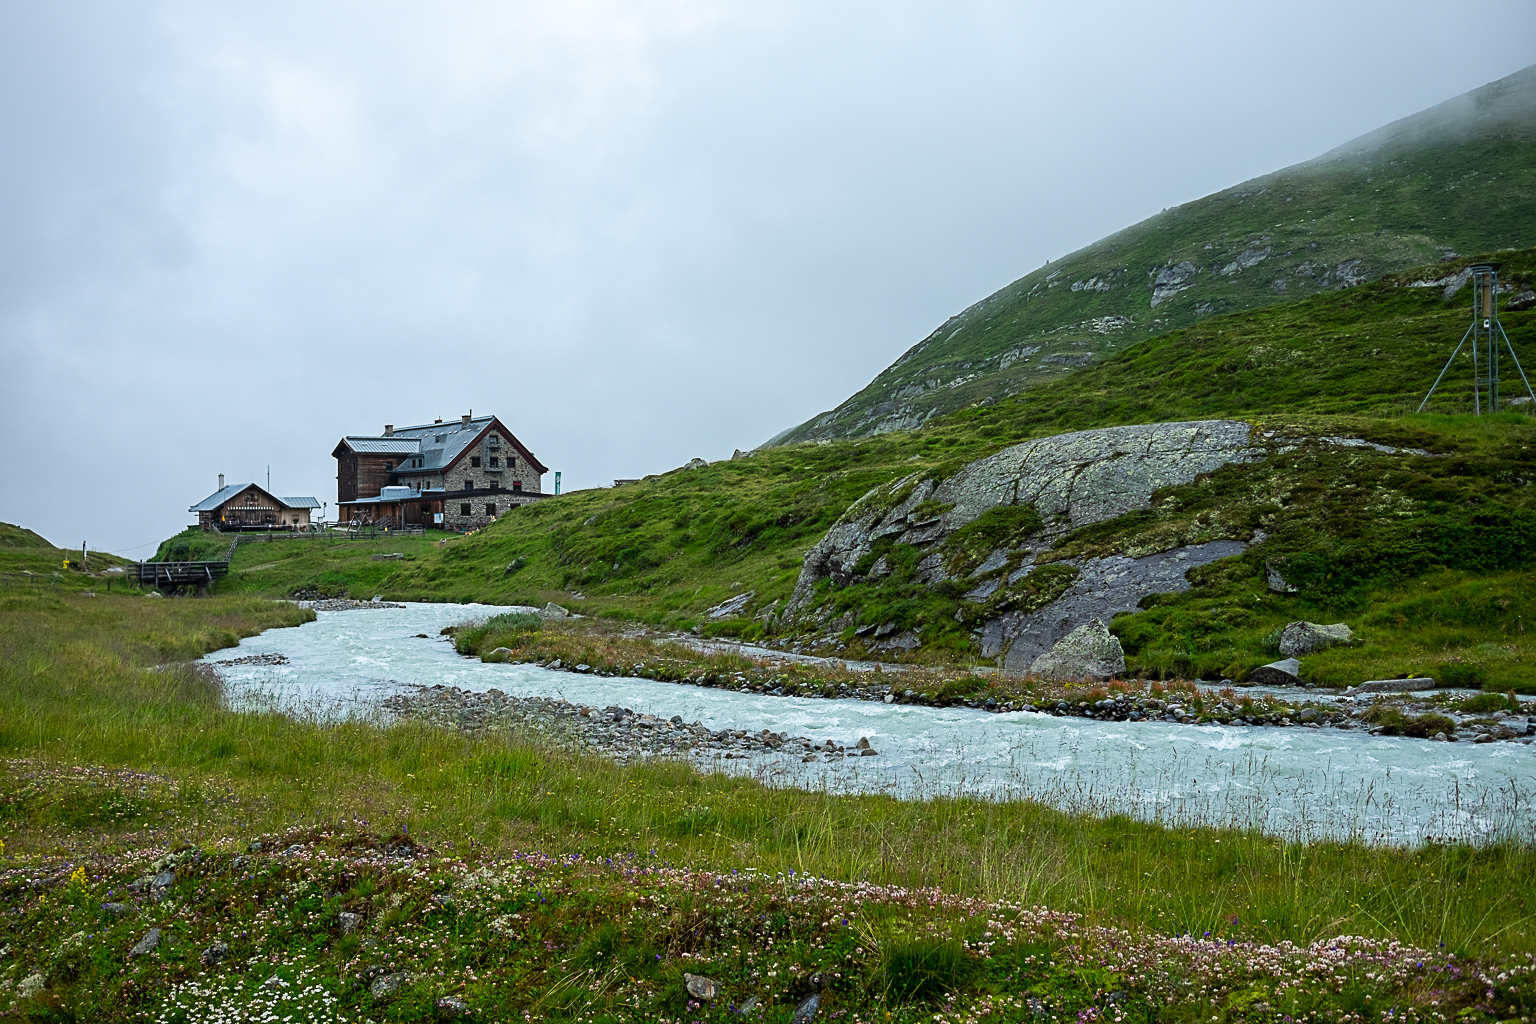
x=637, y=231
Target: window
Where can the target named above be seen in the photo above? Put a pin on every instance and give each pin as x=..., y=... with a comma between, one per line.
x=474, y=460
x=495, y=461
x=389, y=467
x=490, y=509
x=469, y=483
x=517, y=485
x=464, y=509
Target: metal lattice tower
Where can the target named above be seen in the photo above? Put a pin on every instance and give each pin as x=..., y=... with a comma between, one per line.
x=1488, y=343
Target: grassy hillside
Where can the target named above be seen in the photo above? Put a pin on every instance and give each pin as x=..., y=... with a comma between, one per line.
x=1363, y=530
x=1457, y=178
x=12, y=536
x=28, y=560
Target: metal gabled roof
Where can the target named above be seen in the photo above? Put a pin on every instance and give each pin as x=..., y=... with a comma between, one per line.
x=395, y=445
x=441, y=443
x=218, y=498
x=225, y=494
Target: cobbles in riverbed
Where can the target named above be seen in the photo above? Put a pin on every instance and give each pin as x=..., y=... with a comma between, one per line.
x=618, y=732
x=257, y=659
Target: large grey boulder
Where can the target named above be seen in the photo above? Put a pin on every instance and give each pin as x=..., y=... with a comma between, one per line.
x=1306, y=637
x=1277, y=673
x=1090, y=651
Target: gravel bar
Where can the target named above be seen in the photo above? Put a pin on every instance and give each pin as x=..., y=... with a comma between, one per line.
x=617, y=732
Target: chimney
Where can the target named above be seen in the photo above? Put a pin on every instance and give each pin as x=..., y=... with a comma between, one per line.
x=438, y=420
x=389, y=430
x=464, y=421
x=221, y=481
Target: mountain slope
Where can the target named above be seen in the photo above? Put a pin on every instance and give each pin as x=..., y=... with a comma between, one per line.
x=1458, y=177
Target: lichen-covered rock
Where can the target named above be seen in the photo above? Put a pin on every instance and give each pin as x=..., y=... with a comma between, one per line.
x=1306, y=637
x=701, y=987
x=1276, y=582
x=1090, y=651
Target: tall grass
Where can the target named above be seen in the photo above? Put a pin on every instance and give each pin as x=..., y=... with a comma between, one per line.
x=74, y=691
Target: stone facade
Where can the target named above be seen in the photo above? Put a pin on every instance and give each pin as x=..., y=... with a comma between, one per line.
x=493, y=462
x=471, y=512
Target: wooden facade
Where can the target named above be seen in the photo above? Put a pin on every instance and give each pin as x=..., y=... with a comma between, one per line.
x=249, y=506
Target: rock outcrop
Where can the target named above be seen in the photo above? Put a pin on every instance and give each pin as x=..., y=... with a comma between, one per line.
x=1102, y=587
x=1072, y=480
x=1068, y=481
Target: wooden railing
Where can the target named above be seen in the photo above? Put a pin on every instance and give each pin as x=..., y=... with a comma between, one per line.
x=180, y=574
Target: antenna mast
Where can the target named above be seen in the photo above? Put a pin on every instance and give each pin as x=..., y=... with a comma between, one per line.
x=1486, y=333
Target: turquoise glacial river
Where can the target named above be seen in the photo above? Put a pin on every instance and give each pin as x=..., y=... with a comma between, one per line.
x=1293, y=782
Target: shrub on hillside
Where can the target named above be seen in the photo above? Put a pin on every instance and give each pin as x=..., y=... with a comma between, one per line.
x=1461, y=675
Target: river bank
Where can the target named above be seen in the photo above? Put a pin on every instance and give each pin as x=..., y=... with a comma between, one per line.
x=629, y=651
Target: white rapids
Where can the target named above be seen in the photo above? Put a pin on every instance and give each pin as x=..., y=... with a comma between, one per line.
x=1294, y=782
